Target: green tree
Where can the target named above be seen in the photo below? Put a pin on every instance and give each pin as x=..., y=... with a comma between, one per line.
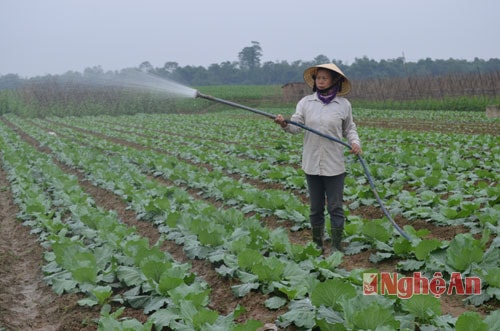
x=250, y=56
x=10, y=81
x=170, y=66
x=93, y=71
x=320, y=59
x=167, y=70
x=224, y=73
x=146, y=67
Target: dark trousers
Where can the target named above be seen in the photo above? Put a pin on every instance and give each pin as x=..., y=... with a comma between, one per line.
x=331, y=189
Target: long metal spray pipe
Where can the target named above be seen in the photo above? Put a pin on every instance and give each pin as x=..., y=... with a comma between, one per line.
x=361, y=160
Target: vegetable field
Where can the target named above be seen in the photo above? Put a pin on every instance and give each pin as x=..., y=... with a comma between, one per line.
x=200, y=222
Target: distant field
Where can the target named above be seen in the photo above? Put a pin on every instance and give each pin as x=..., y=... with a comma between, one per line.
x=54, y=100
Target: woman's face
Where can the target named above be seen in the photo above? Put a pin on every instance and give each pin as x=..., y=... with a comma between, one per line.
x=324, y=79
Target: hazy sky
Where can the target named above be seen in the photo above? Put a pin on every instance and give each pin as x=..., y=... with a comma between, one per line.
x=39, y=37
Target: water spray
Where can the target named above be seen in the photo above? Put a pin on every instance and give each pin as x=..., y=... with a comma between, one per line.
x=361, y=160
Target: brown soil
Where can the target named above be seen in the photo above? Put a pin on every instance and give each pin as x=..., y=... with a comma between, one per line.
x=27, y=303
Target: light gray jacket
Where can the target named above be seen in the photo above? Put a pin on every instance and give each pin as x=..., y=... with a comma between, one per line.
x=321, y=156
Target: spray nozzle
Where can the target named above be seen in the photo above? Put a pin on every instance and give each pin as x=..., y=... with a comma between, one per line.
x=209, y=97
x=201, y=95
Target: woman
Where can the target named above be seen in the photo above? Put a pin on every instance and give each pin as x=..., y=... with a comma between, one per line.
x=327, y=111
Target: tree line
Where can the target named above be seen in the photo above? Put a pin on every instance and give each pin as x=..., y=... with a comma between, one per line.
x=249, y=70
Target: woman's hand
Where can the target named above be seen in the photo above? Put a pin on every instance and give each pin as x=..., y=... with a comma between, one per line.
x=279, y=119
x=356, y=149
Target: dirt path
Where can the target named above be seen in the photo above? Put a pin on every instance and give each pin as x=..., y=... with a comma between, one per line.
x=26, y=302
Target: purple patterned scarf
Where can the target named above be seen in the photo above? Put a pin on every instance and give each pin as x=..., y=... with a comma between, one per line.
x=326, y=96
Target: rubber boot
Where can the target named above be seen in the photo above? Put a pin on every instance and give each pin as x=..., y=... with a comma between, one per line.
x=317, y=236
x=337, y=239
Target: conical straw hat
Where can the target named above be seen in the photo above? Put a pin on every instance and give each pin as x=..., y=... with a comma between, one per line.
x=309, y=74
